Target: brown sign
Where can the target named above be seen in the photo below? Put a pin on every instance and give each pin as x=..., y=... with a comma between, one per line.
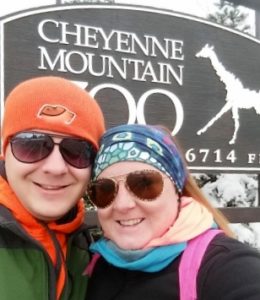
x=149, y=66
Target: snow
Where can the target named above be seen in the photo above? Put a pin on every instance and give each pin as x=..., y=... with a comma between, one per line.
x=234, y=190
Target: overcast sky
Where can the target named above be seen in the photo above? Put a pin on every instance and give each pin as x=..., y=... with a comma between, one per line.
x=199, y=8
x=7, y=7
x=196, y=7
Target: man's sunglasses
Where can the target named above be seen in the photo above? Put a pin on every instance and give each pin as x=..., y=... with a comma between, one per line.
x=146, y=185
x=31, y=147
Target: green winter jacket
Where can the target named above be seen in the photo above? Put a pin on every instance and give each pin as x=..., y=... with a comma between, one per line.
x=26, y=270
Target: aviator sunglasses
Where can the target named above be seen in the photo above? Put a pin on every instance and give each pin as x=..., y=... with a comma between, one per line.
x=146, y=185
x=31, y=147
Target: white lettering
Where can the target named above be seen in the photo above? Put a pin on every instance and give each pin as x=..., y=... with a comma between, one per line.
x=79, y=57
x=42, y=33
x=128, y=96
x=251, y=158
x=45, y=58
x=65, y=33
x=175, y=100
x=79, y=62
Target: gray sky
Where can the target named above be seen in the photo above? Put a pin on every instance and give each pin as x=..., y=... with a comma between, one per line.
x=199, y=8
x=196, y=7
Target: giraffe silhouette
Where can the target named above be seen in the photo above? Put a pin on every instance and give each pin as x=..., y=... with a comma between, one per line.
x=237, y=96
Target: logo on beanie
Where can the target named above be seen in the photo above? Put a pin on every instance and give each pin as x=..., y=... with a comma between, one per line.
x=56, y=113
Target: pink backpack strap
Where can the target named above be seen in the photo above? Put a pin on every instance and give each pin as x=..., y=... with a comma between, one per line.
x=190, y=263
x=90, y=267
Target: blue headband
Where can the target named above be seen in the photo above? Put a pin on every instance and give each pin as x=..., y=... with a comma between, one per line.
x=142, y=143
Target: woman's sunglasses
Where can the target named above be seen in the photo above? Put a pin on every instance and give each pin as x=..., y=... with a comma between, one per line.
x=31, y=147
x=147, y=185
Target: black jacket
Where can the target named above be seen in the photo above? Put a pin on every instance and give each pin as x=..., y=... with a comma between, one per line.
x=230, y=270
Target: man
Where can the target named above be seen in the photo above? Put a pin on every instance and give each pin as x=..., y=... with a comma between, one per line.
x=50, y=135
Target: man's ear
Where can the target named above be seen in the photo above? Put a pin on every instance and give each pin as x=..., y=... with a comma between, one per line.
x=2, y=169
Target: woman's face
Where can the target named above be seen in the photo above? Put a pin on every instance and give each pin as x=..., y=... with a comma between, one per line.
x=130, y=222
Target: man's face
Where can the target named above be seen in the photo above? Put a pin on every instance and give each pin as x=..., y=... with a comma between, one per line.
x=48, y=189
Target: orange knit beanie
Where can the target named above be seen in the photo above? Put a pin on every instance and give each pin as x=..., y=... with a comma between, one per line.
x=52, y=104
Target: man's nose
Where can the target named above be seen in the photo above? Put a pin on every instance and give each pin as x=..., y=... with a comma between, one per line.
x=55, y=163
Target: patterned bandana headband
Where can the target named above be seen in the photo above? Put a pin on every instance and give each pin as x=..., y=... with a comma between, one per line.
x=142, y=143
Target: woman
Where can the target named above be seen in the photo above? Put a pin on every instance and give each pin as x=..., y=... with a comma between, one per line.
x=151, y=211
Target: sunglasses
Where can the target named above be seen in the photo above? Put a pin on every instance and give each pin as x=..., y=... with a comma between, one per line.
x=146, y=185
x=30, y=147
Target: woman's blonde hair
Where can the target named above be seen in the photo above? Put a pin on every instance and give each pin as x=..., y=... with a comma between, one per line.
x=191, y=189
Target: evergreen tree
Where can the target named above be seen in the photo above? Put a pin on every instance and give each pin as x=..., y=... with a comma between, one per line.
x=228, y=14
